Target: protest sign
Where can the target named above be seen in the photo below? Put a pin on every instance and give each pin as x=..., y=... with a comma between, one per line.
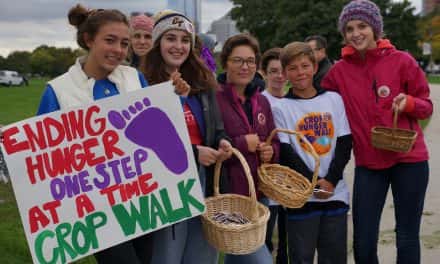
x=89, y=178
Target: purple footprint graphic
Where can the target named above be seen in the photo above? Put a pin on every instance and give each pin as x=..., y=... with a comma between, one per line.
x=151, y=128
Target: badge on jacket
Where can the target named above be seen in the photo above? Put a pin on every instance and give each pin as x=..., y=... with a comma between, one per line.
x=383, y=91
x=261, y=119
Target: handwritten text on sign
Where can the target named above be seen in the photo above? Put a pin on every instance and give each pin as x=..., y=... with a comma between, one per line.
x=89, y=178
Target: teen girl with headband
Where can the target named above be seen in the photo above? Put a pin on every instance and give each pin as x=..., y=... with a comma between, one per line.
x=173, y=53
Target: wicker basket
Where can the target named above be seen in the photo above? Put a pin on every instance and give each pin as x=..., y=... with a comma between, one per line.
x=284, y=185
x=393, y=139
x=232, y=238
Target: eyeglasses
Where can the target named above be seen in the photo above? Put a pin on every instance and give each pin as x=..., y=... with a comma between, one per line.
x=148, y=14
x=239, y=62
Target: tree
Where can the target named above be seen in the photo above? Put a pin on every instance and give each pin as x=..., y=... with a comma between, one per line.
x=18, y=61
x=276, y=23
x=42, y=61
x=400, y=24
x=2, y=62
x=429, y=30
x=259, y=18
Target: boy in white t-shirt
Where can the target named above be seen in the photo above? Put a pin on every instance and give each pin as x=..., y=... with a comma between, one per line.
x=321, y=224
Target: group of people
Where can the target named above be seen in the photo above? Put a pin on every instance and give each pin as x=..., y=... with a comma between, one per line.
x=334, y=106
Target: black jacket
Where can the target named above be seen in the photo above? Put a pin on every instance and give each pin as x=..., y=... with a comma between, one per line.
x=323, y=67
x=213, y=131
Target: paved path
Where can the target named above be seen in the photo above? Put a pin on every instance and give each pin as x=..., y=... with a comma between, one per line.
x=430, y=231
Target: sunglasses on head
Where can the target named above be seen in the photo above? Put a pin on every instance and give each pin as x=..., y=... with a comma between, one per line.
x=148, y=14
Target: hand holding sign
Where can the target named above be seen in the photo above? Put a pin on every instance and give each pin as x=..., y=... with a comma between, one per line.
x=182, y=87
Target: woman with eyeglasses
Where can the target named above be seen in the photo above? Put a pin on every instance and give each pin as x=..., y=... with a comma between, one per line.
x=248, y=121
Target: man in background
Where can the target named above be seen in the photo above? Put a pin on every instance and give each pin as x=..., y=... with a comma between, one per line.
x=319, y=46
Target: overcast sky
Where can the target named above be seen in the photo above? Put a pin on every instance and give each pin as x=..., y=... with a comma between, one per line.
x=26, y=24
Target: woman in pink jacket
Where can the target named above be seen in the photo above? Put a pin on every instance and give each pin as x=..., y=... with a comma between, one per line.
x=373, y=79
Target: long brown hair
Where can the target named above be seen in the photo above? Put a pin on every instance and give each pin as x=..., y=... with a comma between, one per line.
x=193, y=70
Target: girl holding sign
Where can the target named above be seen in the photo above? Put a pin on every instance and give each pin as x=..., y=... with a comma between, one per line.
x=104, y=34
x=374, y=80
x=173, y=51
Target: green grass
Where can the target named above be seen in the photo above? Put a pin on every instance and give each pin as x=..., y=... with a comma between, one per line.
x=20, y=102
x=13, y=246
x=435, y=79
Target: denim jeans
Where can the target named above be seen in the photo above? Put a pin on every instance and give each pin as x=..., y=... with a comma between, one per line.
x=323, y=233
x=408, y=184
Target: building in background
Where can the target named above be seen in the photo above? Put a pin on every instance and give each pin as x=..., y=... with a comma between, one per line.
x=223, y=28
x=429, y=5
x=191, y=8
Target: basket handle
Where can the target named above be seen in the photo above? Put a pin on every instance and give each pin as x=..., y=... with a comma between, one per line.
x=395, y=116
x=247, y=172
x=309, y=146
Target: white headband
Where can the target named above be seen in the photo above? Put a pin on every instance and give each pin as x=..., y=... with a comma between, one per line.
x=173, y=21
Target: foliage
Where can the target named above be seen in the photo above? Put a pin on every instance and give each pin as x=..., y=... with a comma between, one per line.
x=44, y=60
x=276, y=23
x=18, y=61
x=429, y=29
x=400, y=22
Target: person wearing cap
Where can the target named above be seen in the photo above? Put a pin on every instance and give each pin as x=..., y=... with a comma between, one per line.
x=374, y=79
x=173, y=51
x=141, y=27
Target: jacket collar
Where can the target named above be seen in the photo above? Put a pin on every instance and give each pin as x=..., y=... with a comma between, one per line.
x=81, y=79
x=383, y=45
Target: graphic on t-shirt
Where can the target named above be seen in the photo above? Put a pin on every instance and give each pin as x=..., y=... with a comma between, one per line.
x=141, y=131
x=318, y=129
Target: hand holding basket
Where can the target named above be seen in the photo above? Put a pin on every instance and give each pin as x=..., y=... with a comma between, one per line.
x=284, y=185
x=393, y=139
x=235, y=239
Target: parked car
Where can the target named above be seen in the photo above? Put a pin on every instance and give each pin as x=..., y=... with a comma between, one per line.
x=11, y=78
x=433, y=68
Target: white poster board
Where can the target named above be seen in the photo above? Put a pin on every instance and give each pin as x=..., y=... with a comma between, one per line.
x=89, y=178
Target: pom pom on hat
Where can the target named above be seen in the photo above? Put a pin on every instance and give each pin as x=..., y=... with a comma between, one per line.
x=364, y=10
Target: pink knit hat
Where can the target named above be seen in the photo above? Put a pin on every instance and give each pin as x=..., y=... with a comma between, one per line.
x=142, y=22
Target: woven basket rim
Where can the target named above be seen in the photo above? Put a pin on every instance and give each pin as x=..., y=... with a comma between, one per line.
x=270, y=185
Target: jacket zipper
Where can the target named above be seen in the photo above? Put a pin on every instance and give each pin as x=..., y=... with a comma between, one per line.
x=374, y=88
x=409, y=119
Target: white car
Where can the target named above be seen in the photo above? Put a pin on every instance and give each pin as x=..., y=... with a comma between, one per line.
x=10, y=78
